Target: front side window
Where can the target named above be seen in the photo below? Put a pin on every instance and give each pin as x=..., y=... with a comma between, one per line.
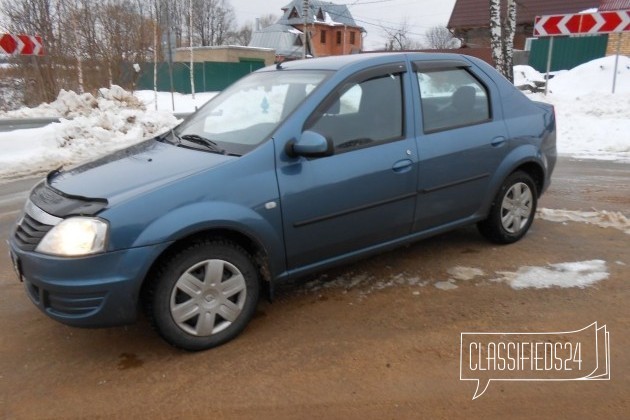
x=246, y=113
x=362, y=113
x=452, y=98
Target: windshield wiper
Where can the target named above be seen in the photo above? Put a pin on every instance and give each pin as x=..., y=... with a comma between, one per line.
x=197, y=139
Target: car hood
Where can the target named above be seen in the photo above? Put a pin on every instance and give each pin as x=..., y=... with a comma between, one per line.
x=133, y=170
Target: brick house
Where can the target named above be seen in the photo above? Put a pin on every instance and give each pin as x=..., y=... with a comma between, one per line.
x=470, y=19
x=621, y=41
x=331, y=31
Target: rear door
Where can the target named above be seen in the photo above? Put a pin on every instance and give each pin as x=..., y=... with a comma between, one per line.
x=461, y=142
x=365, y=193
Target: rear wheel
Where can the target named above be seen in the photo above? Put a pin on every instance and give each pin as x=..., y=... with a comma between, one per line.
x=512, y=211
x=204, y=295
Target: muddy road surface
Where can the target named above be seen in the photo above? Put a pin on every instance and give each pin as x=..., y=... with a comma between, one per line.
x=376, y=339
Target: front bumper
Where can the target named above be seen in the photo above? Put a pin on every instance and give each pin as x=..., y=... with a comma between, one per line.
x=95, y=291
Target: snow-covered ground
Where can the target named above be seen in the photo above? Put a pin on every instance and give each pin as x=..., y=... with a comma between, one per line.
x=592, y=122
x=578, y=274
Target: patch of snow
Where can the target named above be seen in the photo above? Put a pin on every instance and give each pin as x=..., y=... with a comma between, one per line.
x=464, y=273
x=363, y=283
x=445, y=285
x=574, y=274
x=329, y=20
x=602, y=218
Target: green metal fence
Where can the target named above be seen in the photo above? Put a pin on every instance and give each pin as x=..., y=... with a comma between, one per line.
x=568, y=52
x=209, y=76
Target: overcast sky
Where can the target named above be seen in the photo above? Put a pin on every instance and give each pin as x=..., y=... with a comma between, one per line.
x=371, y=14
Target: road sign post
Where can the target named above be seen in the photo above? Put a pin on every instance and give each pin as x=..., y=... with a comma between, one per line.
x=617, y=21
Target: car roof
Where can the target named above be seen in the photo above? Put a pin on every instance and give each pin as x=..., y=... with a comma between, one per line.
x=340, y=61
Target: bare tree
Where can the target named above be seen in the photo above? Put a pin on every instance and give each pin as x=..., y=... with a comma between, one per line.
x=399, y=38
x=242, y=36
x=440, y=38
x=267, y=20
x=213, y=21
x=502, y=31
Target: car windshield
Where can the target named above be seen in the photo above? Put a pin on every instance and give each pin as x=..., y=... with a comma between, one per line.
x=247, y=113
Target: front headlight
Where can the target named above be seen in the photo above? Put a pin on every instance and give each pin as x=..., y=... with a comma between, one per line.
x=74, y=237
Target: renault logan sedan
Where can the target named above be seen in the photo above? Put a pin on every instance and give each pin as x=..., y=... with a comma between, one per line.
x=291, y=170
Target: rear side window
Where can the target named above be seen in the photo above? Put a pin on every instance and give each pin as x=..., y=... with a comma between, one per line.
x=452, y=98
x=362, y=113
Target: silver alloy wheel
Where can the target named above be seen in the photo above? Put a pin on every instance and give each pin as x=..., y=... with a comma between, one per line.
x=208, y=297
x=516, y=208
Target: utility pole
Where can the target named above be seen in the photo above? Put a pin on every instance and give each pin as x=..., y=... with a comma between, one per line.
x=305, y=9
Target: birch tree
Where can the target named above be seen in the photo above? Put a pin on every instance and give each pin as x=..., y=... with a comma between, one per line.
x=502, y=31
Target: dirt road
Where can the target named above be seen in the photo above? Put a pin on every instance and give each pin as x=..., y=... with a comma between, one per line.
x=376, y=339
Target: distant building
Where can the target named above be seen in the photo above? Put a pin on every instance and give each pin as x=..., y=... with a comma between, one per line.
x=331, y=31
x=225, y=54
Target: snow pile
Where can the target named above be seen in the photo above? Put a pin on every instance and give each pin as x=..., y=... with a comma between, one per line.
x=592, y=122
x=603, y=218
x=70, y=104
x=574, y=274
x=99, y=125
x=594, y=76
x=526, y=77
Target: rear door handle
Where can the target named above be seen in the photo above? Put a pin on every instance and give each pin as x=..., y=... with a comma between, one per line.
x=498, y=141
x=402, y=165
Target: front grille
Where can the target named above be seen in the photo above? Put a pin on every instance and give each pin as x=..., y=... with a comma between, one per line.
x=33, y=226
x=30, y=232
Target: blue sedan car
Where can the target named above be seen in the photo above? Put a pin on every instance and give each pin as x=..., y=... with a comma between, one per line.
x=293, y=169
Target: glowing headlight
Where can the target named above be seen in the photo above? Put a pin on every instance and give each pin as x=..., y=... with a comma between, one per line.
x=75, y=236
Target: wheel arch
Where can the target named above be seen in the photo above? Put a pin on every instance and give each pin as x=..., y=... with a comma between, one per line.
x=252, y=246
x=534, y=170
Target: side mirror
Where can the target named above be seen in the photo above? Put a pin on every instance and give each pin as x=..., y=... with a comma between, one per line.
x=310, y=144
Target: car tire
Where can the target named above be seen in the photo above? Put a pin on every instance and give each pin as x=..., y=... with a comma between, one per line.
x=204, y=295
x=512, y=211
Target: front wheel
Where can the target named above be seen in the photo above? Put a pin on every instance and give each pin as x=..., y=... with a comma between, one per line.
x=512, y=211
x=204, y=295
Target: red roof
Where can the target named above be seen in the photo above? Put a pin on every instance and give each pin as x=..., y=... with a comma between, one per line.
x=476, y=13
x=606, y=5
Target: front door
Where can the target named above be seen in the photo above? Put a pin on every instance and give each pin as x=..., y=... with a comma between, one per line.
x=365, y=193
